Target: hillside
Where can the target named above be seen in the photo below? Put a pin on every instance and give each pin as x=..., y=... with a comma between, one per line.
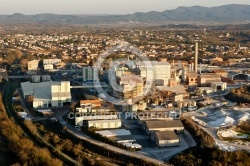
x=222, y=14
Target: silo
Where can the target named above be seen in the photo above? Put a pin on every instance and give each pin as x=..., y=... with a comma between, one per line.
x=35, y=78
x=184, y=73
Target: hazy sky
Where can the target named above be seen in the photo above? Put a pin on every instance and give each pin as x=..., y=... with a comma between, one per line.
x=102, y=6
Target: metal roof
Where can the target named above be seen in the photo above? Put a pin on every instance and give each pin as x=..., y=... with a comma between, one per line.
x=166, y=135
x=156, y=124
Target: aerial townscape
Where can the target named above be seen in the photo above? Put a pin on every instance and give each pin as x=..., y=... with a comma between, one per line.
x=142, y=89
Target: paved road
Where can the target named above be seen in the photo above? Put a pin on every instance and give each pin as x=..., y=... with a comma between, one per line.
x=23, y=104
x=34, y=119
x=85, y=137
x=163, y=154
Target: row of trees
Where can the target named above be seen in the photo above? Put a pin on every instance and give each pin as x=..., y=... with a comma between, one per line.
x=211, y=157
x=84, y=151
x=27, y=152
x=239, y=95
x=74, y=149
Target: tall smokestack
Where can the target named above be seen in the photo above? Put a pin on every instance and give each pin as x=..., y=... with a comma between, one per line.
x=196, y=57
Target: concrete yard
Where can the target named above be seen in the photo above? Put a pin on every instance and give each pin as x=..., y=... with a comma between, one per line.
x=149, y=148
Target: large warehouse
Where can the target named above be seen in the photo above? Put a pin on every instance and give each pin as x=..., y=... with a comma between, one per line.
x=47, y=94
x=165, y=138
x=163, y=132
x=164, y=125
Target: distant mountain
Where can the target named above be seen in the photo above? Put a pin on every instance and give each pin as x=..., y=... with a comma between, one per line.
x=222, y=14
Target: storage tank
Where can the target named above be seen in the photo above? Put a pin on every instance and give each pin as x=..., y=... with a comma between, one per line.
x=35, y=78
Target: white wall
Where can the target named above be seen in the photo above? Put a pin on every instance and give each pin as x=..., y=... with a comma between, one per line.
x=105, y=125
x=79, y=120
x=48, y=67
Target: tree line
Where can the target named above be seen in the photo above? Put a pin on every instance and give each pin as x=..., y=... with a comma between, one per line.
x=206, y=154
x=27, y=153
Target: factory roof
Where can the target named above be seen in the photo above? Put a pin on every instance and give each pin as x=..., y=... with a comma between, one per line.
x=156, y=124
x=220, y=71
x=27, y=87
x=209, y=75
x=178, y=89
x=151, y=63
x=191, y=74
x=104, y=121
x=218, y=82
x=166, y=135
x=128, y=78
x=42, y=91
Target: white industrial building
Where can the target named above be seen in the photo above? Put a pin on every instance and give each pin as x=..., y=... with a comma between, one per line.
x=219, y=86
x=82, y=117
x=90, y=109
x=47, y=94
x=160, y=72
x=214, y=87
x=105, y=124
x=113, y=133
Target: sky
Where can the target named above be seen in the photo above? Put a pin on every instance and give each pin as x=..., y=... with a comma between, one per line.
x=102, y=6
